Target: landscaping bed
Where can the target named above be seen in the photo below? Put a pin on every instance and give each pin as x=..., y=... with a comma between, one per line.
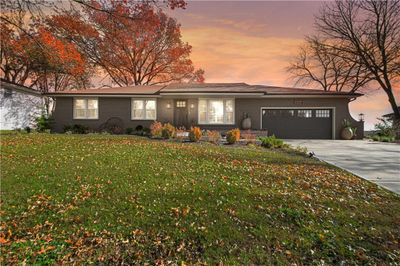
x=126, y=199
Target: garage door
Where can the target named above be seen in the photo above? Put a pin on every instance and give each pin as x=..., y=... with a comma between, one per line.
x=298, y=123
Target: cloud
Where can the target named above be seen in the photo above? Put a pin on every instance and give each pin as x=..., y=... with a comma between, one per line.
x=232, y=55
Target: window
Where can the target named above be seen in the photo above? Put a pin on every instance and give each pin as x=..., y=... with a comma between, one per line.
x=181, y=104
x=143, y=109
x=322, y=113
x=216, y=111
x=278, y=113
x=86, y=108
x=304, y=113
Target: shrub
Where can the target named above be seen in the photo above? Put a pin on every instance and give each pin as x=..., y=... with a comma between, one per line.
x=76, y=129
x=376, y=138
x=387, y=139
x=43, y=123
x=129, y=130
x=271, y=142
x=195, y=134
x=233, y=135
x=139, y=128
x=156, y=129
x=301, y=150
x=168, y=131
x=385, y=128
x=146, y=131
x=213, y=136
x=28, y=130
x=249, y=137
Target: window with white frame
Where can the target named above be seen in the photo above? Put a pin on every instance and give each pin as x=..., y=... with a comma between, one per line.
x=216, y=111
x=86, y=108
x=304, y=113
x=323, y=113
x=144, y=109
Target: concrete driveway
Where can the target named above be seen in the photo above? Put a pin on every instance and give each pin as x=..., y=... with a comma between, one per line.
x=375, y=161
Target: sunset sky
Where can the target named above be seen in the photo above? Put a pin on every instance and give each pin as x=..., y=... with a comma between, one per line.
x=253, y=42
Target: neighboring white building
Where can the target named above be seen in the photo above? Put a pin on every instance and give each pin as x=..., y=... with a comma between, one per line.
x=19, y=106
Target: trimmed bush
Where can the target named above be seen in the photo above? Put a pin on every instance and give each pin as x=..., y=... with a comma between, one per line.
x=195, y=134
x=129, y=130
x=168, y=131
x=43, y=123
x=387, y=139
x=156, y=129
x=213, y=136
x=271, y=142
x=376, y=138
x=146, y=131
x=233, y=136
x=76, y=129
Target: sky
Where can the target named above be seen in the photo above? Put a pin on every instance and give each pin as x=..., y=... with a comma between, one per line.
x=254, y=41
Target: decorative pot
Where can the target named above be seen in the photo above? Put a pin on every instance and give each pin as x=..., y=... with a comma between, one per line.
x=246, y=123
x=347, y=133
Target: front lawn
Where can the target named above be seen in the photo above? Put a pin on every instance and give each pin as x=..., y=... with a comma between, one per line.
x=123, y=199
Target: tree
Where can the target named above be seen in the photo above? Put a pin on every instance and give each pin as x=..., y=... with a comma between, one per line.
x=318, y=64
x=15, y=66
x=365, y=34
x=41, y=61
x=143, y=51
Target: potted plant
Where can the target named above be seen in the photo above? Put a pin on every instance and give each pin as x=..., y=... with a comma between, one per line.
x=347, y=132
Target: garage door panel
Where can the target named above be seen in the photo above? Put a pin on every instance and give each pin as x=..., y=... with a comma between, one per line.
x=298, y=123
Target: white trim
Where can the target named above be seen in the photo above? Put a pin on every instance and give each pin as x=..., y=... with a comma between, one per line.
x=210, y=94
x=307, y=96
x=224, y=103
x=86, y=99
x=144, y=110
x=303, y=107
x=104, y=95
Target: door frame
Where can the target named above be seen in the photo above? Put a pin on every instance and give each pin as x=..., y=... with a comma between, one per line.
x=302, y=108
x=187, y=110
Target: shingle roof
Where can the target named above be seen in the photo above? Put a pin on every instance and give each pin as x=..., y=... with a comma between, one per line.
x=116, y=90
x=12, y=86
x=209, y=87
x=196, y=88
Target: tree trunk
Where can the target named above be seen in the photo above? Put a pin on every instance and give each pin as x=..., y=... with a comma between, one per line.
x=396, y=113
x=392, y=100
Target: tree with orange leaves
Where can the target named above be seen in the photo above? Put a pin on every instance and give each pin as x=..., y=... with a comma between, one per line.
x=146, y=50
x=41, y=60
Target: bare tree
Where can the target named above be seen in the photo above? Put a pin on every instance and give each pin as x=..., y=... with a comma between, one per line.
x=366, y=33
x=321, y=65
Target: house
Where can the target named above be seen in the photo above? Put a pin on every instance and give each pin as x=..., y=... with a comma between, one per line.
x=19, y=105
x=285, y=112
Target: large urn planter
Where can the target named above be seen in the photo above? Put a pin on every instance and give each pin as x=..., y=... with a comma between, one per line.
x=347, y=133
x=246, y=122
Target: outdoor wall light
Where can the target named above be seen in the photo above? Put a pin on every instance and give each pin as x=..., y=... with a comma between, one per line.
x=361, y=117
x=192, y=106
x=168, y=106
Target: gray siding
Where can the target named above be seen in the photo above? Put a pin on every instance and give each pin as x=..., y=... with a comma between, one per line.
x=121, y=108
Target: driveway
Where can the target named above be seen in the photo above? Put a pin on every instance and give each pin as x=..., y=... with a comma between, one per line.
x=375, y=161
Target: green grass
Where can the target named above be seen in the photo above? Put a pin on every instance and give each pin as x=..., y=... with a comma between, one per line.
x=120, y=199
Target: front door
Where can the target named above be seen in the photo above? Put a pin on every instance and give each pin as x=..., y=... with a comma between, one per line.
x=181, y=113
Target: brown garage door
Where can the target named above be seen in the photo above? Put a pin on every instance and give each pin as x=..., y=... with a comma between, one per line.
x=298, y=123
